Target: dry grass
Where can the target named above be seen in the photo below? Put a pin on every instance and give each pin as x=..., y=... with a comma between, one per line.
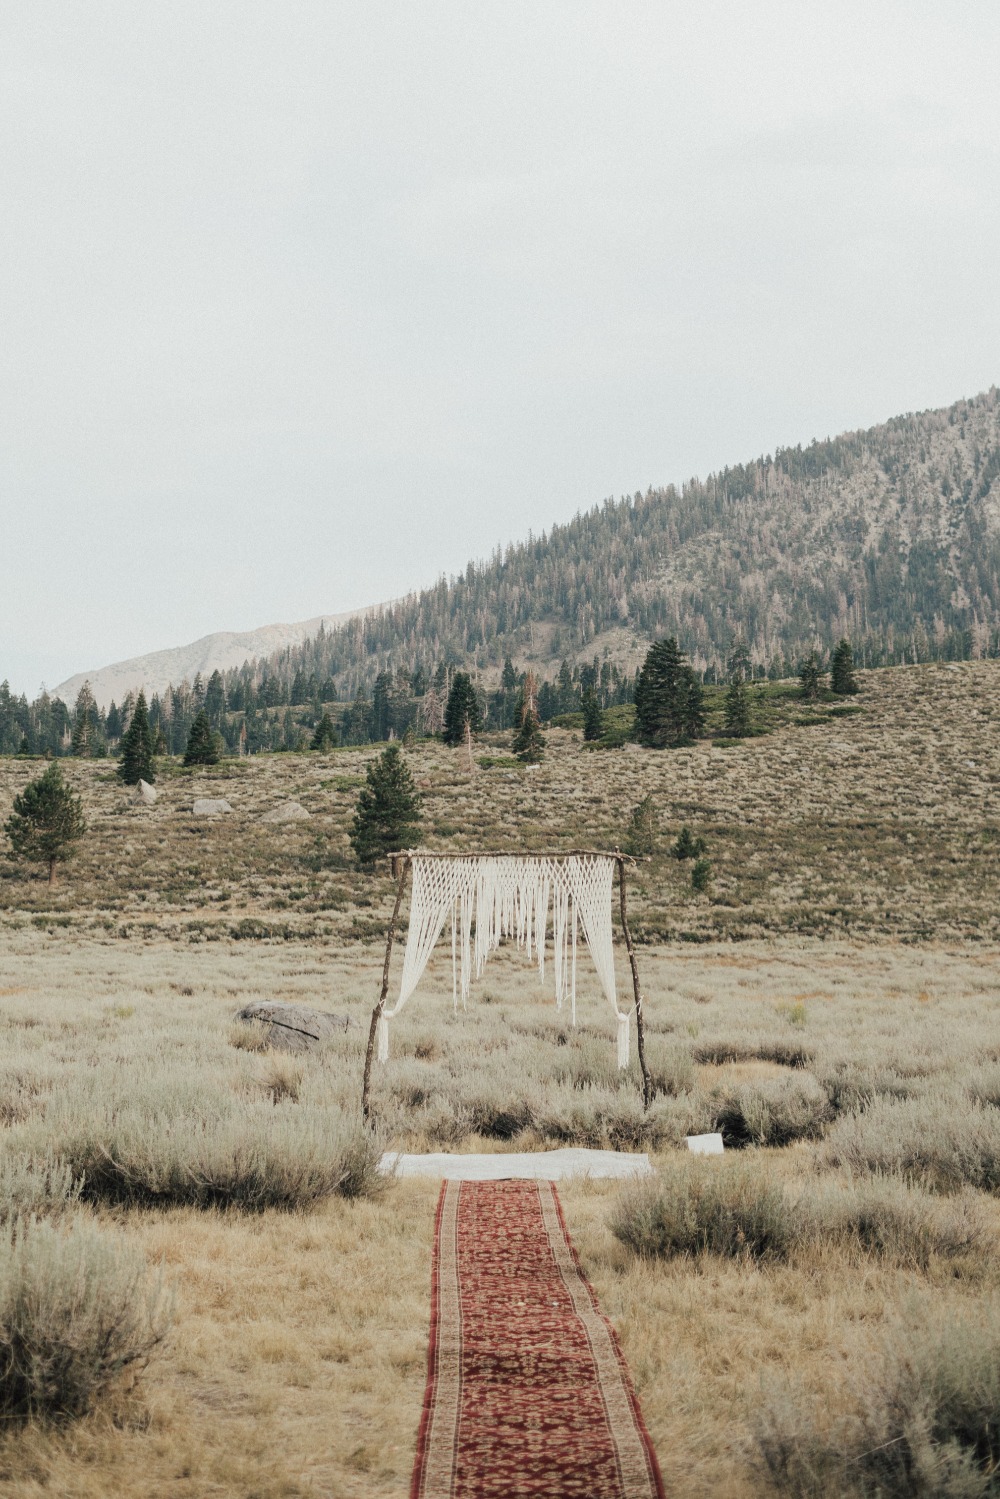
x=853, y=1028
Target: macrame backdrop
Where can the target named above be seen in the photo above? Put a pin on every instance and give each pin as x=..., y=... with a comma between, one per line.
x=506, y=896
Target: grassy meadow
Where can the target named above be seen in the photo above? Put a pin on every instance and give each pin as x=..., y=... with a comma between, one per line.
x=817, y=1313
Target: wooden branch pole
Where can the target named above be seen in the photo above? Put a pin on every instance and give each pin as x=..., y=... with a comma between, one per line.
x=647, y=1082
x=403, y=863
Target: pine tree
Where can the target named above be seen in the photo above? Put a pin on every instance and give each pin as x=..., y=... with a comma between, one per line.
x=137, y=747
x=462, y=708
x=842, y=678
x=669, y=700
x=811, y=677
x=738, y=724
x=325, y=735
x=593, y=720
x=640, y=835
x=388, y=808
x=529, y=743
x=87, y=736
x=202, y=745
x=46, y=821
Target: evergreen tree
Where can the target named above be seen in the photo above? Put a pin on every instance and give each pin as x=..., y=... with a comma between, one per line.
x=137, y=747
x=88, y=735
x=687, y=846
x=842, y=678
x=462, y=708
x=567, y=696
x=593, y=721
x=325, y=735
x=529, y=743
x=811, y=677
x=388, y=808
x=202, y=746
x=215, y=699
x=738, y=709
x=669, y=700
x=381, y=711
x=46, y=821
x=640, y=834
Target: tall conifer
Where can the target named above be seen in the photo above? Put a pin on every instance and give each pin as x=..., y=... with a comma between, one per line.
x=137, y=747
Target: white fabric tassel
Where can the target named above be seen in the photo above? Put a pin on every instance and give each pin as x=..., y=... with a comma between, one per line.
x=623, y=1034
x=383, y=1039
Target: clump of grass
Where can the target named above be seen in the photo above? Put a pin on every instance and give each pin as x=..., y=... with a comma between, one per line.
x=706, y=1207
x=926, y=1423
x=773, y=1111
x=250, y=1035
x=76, y=1310
x=947, y=1141
x=282, y=1078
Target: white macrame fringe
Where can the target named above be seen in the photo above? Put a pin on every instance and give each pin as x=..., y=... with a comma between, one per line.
x=623, y=1040
x=506, y=896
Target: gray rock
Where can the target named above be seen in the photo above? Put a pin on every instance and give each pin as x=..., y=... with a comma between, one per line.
x=208, y=806
x=293, y=1027
x=144, y=792
x=287, y=812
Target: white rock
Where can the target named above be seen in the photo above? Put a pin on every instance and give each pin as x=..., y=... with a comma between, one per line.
x=287, y=812
x=208, y=806
x=144, y=792
x=704, y=1144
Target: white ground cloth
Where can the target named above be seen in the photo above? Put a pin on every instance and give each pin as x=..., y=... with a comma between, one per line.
x=543, y=1165
x=510, y=897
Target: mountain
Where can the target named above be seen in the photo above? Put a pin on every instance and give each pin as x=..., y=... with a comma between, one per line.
x=223, y=651
x=889, y=536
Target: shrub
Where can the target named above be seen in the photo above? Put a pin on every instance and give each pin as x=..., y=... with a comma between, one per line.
x=182, y=1144
x=945, y=1140
x=32, y=1187
x=773, y=1111
x=76, y=1310
x=706, y=1206
x=926, y=1423
x=886, y=1217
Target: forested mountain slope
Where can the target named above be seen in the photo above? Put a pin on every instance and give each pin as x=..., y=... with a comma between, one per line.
x=890, y=537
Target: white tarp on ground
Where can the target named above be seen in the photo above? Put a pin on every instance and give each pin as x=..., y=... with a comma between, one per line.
x=542, y=1165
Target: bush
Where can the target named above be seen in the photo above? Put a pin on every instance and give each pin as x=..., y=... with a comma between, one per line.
x=946, y=1141
x=706, y=1206
x=182, y=1144
x=926, y=1424
x=76, y=1310
x=884, y=1216
x=772, y=1111
x=32, y=1187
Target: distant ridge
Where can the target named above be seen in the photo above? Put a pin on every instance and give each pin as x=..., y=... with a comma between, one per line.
x=222, y=651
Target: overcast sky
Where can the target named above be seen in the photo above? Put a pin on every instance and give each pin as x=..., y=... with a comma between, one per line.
x=303, y=304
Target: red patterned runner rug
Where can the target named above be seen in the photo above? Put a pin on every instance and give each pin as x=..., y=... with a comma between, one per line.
x=527, y=1389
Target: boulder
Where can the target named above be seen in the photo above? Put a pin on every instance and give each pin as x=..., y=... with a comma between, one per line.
x=144, y=792
x=209, y=806
x=287, y=812
x=293, y=1027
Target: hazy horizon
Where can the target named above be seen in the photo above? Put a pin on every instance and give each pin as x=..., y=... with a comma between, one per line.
x=307, y=305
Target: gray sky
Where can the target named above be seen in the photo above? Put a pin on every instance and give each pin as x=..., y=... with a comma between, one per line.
x=302, y=304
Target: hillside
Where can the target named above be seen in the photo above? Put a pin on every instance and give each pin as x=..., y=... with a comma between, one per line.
x=879, y=823
x=889, y=536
